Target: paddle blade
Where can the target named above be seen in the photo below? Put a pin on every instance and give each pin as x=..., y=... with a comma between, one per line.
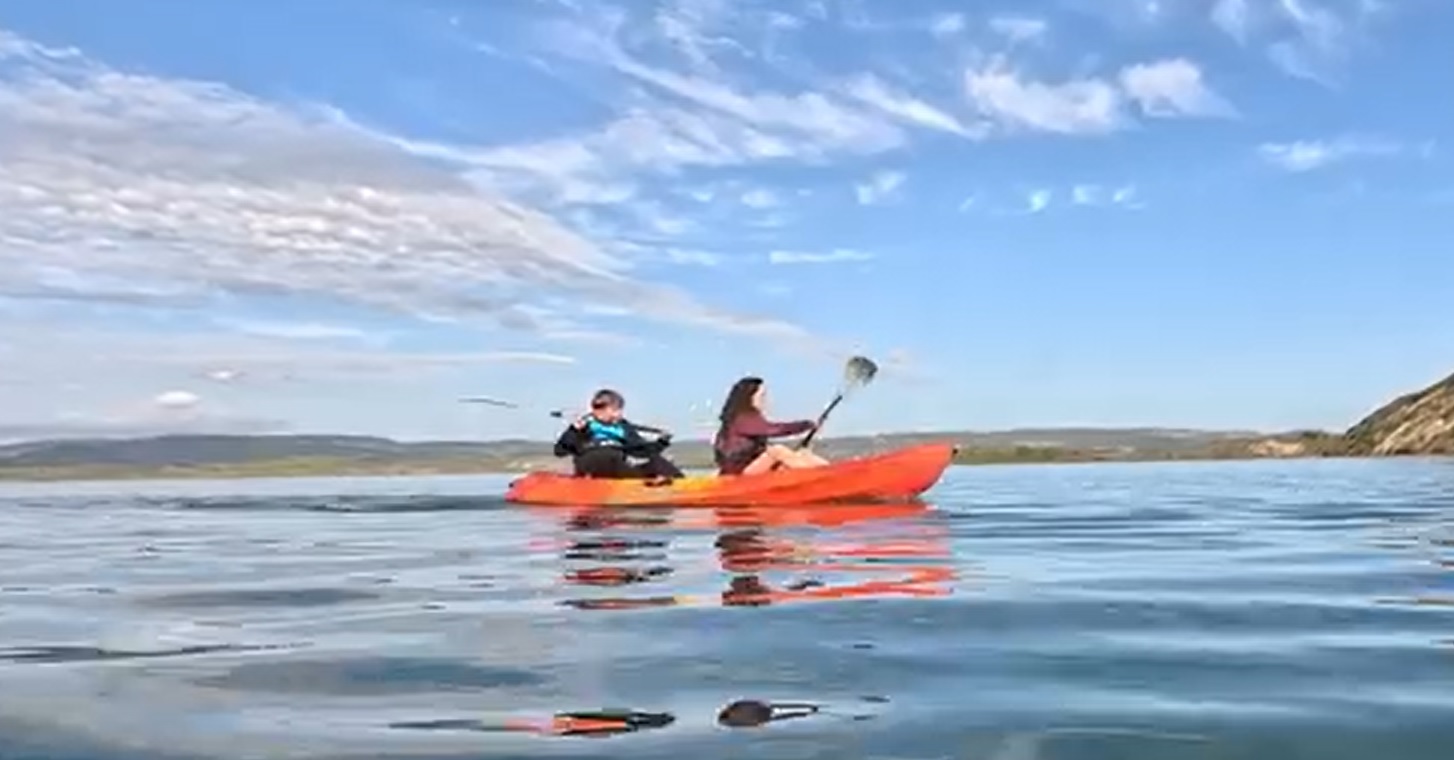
x=859, y=371
x=489, y=401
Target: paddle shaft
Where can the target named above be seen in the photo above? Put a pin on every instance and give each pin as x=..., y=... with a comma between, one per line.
x=807, y=439
x=643, y=428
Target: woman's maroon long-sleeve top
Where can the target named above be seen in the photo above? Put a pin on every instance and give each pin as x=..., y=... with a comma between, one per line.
x=746, y=437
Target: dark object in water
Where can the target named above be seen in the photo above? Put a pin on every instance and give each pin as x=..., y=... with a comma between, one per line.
x=751, y=713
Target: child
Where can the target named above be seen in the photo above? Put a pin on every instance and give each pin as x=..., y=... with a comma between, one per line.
x=602, y=443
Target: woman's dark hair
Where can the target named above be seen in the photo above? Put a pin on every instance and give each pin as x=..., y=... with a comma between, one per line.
x=739, y=399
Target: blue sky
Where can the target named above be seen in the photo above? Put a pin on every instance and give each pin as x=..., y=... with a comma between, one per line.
x=340, y=217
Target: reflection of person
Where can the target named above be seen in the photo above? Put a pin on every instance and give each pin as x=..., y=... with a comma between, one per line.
x=602, y=443
x=744, y=713
x=750, y=713
x=741, y=446
x=750, y=552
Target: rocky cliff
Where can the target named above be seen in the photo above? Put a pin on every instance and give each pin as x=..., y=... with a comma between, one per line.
x=1417, y=423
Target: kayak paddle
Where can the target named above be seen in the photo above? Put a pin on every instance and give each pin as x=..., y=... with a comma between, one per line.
x=556, y=413
x=489, y=401
x=561, y=415
x=858, y=372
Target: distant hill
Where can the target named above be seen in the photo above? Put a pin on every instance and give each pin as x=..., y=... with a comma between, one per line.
x=196, y=450
x=220, y=455
x=1421, y=422
x=1416, y=423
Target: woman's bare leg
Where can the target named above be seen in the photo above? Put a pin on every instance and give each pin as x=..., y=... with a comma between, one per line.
x=778, y=455
x=807, y=459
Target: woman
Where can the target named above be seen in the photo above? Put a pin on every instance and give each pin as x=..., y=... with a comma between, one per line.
x=741, y=446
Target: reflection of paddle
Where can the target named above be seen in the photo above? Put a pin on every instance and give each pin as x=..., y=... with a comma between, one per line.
x=584, y=723
x=858, y=372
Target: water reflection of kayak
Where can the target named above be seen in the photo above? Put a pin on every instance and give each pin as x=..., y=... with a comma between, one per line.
x=912, y=560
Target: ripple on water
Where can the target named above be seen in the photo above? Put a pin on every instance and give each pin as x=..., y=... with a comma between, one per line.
x=259, y=597
x=369, y=676
x=1208, y=610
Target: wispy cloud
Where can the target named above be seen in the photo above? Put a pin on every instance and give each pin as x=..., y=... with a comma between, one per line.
x=881, y=187
x=1234, y=18
x=56, y=352
x=699, y=258
x=1308, y=39
x=1092, y=105
x=302, y=330
x=840, y=255
x=138, y=423
x=948, y=24
x=1019, y=28
x=1309, y=155
x=181, y=187
x=1102, y=196
x=872, y=91
x=761, y=198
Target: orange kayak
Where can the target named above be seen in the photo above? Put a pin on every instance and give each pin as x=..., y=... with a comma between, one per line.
x=894, y=475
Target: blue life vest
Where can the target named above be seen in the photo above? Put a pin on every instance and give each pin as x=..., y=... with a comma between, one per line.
x=605, y=434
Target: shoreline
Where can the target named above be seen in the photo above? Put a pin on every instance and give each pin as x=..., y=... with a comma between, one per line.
x=311, y=469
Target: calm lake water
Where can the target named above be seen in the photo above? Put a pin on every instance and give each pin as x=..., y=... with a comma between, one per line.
x=1205, y=610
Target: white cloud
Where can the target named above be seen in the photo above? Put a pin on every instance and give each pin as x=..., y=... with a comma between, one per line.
x=1099, y=195
x=191, y=189
x=947, y=24
x=1308, y=155
x=1091, y=105
x=880, y=187
x=1077, y=106
x=177, y=400
x=1172, y=87
x=1037, y=201
x=760, y=198
x=1019, y=28
x=837, y=256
